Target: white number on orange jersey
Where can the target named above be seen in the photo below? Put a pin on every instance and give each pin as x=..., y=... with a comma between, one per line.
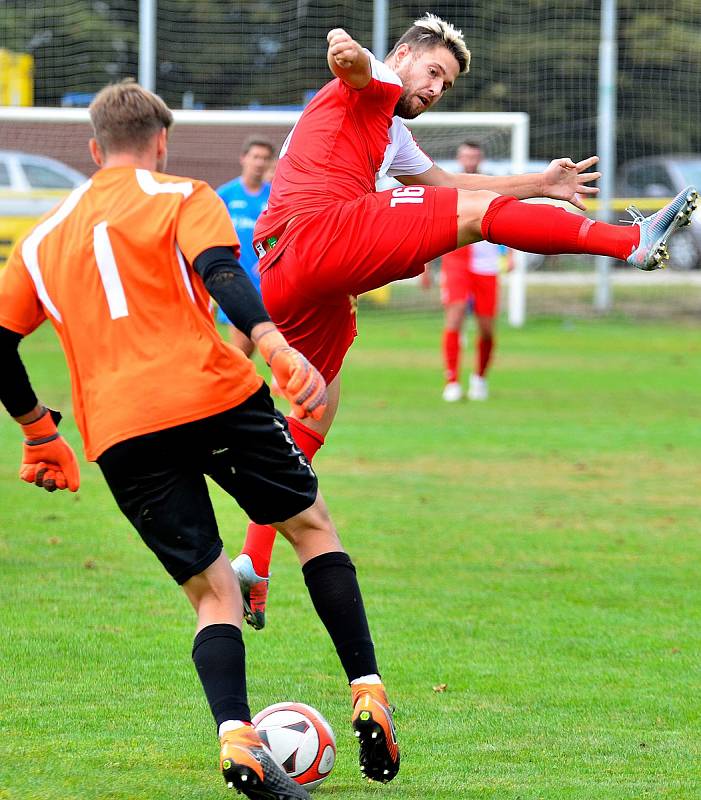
x=109, y=274
x=407, y=194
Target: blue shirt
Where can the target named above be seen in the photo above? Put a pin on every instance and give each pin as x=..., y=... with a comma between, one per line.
x=244, y=209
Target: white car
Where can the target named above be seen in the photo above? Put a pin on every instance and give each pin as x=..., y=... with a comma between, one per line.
x=30, y=185
x=33, y=183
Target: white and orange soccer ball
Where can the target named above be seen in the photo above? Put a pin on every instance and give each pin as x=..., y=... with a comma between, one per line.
x=300, y=739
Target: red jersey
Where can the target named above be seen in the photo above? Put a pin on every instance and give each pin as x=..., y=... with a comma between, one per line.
x=482, y=258
x=111, y=269
x=335, y=150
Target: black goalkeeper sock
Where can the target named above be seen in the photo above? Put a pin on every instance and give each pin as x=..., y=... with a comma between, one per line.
x=220, y=660
x=335, y=593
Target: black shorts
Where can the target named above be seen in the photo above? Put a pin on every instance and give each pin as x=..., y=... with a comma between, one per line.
x=158, y=480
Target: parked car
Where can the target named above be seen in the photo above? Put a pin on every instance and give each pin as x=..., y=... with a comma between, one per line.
x=663, y=177
x=30, y=185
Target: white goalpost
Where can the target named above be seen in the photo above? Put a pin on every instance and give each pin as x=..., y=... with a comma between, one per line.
x=205, y=144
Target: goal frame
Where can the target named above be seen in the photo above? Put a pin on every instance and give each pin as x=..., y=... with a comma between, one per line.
x=517, y=123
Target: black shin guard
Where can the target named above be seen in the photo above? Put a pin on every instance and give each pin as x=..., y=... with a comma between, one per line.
x=335, y=593
x=220, y=660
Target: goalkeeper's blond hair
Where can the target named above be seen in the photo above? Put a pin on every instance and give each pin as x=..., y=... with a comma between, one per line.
x=125, y=116
x=431, y=31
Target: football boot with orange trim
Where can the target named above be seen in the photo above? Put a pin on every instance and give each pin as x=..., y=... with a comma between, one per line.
x=248, y=766
x=374, y=728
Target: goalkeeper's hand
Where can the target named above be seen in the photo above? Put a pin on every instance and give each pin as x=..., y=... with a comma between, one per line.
x=48, y=460
x=300, y=382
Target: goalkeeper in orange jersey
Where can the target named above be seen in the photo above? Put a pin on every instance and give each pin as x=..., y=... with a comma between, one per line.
x=123, y=270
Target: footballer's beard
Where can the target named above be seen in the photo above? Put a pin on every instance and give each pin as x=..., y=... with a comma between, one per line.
x=405, y=109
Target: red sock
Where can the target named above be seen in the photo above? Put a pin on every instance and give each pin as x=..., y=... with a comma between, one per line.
x=451, y=355
x=485, y=345
x=259, y=546
x=546, y=229
x=260, y=538
x=306, y=439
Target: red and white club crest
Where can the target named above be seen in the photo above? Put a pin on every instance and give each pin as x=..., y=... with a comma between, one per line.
x=300, y=739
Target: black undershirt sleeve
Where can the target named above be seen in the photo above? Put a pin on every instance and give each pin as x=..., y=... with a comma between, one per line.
x=225, y=279
x=16, y=392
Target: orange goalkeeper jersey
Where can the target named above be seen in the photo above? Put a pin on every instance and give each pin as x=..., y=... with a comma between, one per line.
x=111, y=268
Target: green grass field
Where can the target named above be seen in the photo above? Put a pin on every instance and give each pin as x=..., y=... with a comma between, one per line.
x=539, y=554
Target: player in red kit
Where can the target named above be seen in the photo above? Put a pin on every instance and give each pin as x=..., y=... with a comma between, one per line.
x=470, y=276
x=470, y=279
x=328, y=236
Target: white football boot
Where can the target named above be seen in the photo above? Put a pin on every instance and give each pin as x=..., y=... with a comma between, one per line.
x=478, y=388
x=254, y=591
x=452, y=392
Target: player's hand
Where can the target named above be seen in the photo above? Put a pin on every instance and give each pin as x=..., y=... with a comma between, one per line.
x=343, y=49
x=299, y=381
x=565, y=180
x=48, y=460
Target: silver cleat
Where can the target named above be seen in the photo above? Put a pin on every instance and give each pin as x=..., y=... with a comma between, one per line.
x=656, y=230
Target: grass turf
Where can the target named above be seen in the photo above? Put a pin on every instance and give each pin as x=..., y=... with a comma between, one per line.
x=538, y=554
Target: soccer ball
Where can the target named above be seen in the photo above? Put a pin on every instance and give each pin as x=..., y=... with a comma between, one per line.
x=300, y=739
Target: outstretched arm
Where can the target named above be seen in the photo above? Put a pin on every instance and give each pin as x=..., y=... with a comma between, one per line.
x=562, y=180
x=347, y=59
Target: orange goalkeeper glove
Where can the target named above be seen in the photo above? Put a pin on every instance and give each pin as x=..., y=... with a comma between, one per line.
x=48, y=460
x=300, y=382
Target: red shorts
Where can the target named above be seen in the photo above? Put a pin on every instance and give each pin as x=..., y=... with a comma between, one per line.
x=460, y=285
x=327, y=258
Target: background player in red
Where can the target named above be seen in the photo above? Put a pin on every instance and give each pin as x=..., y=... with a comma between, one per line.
x=124, y=269
x=327, y=236
x=470, y=275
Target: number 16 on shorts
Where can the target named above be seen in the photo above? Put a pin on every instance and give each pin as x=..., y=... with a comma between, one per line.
x=407, y=194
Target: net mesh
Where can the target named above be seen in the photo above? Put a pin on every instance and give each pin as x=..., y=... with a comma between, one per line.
x=541, y=58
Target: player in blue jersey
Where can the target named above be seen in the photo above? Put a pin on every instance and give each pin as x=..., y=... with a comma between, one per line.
x=246, y=197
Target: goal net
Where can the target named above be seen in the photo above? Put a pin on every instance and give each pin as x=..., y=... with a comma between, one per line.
x=206, y=145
